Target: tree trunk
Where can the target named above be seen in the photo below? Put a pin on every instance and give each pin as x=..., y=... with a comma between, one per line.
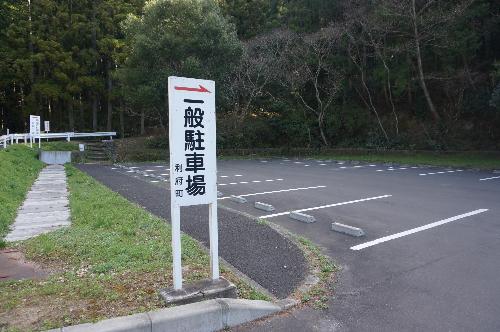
x=321, y=131
x=143, y=116
x=421, y=76
x=82, y=114
x=94, y=112
x=122, y=122
x=71, y=117
x=110, y=87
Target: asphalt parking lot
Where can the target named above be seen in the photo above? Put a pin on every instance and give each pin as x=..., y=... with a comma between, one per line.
x=430, y=257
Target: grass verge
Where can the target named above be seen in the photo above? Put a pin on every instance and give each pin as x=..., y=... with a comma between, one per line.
x=110, y=262
x=481, y=160
x=18, y=170
x=60, y=146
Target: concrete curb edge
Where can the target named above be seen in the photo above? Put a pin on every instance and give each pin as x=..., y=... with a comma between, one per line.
x=206, y=316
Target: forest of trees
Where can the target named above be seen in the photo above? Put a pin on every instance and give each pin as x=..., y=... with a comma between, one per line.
x=411, y=74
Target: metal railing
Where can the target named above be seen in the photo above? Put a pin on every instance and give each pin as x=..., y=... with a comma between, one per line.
x=5, y=140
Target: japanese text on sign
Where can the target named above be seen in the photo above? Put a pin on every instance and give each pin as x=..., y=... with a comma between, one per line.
x=192, y=141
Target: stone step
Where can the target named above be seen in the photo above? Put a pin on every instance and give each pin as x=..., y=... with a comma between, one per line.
x=46, y=224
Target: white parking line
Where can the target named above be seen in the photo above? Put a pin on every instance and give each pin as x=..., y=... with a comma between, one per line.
x=245, y=182
x=325, y=206
x=417, y=229
x=493, y=177
x=277, y=191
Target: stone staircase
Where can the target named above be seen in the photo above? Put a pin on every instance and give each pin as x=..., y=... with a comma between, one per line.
x=96, y=152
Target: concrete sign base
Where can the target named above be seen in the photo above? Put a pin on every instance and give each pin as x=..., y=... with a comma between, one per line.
x=199, y=291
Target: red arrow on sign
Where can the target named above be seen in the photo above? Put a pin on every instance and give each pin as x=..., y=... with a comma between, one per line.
x=184, y=88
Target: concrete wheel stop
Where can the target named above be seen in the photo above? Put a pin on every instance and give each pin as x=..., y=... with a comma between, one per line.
x=202, y=290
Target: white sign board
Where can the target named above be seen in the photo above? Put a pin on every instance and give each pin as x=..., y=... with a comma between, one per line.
x=192, y=142
x=81, y=147
x=35, y=129
x=193, y=171
x=46, y=126
x=34, y=125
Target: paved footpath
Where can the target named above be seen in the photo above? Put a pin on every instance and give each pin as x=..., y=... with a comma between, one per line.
x=256, y=250
x=46, y=207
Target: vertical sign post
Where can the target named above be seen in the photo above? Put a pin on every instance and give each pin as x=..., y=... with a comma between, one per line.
x=193, y=165
x=46, y=126
x=34, y=129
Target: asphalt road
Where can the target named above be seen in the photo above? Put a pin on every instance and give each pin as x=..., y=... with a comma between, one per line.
x=439, y=269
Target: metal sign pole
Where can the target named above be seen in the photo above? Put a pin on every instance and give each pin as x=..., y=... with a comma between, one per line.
x=193, y=173
x=176, y=245
x=214, y=241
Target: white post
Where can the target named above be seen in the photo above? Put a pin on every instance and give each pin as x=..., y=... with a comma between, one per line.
x=67, y=138
x=25, y=140
x=39, y=141
x=31, y=141
x=175, y=215
x=214, y=240
x=11, y=139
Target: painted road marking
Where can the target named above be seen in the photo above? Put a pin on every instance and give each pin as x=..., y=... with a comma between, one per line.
x=417, y=229
x=223, y=176
x=154, y=181
x=160, y=166
x=164, y=174
x=113, y=167
x=277, y=191
x=150, y=170
x=440, y=172
x=358, y=166
x=493, y=177
x=238, y=175
x=325, y=206
x=322, y=164
x=372, y=165
x=380, y=170
x=130, y=171
x=245, y=182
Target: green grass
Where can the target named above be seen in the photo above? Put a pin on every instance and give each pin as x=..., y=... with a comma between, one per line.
x=18, y=170
x=110, y=262
x=323, y=268
x=59, y=146
x=480, y=160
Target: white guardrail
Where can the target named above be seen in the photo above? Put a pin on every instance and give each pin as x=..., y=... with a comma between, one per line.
x=5, y=140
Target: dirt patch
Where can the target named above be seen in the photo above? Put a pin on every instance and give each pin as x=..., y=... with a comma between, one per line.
x=13, y=266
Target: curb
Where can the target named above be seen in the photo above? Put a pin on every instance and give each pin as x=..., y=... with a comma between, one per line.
x=206, y=316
